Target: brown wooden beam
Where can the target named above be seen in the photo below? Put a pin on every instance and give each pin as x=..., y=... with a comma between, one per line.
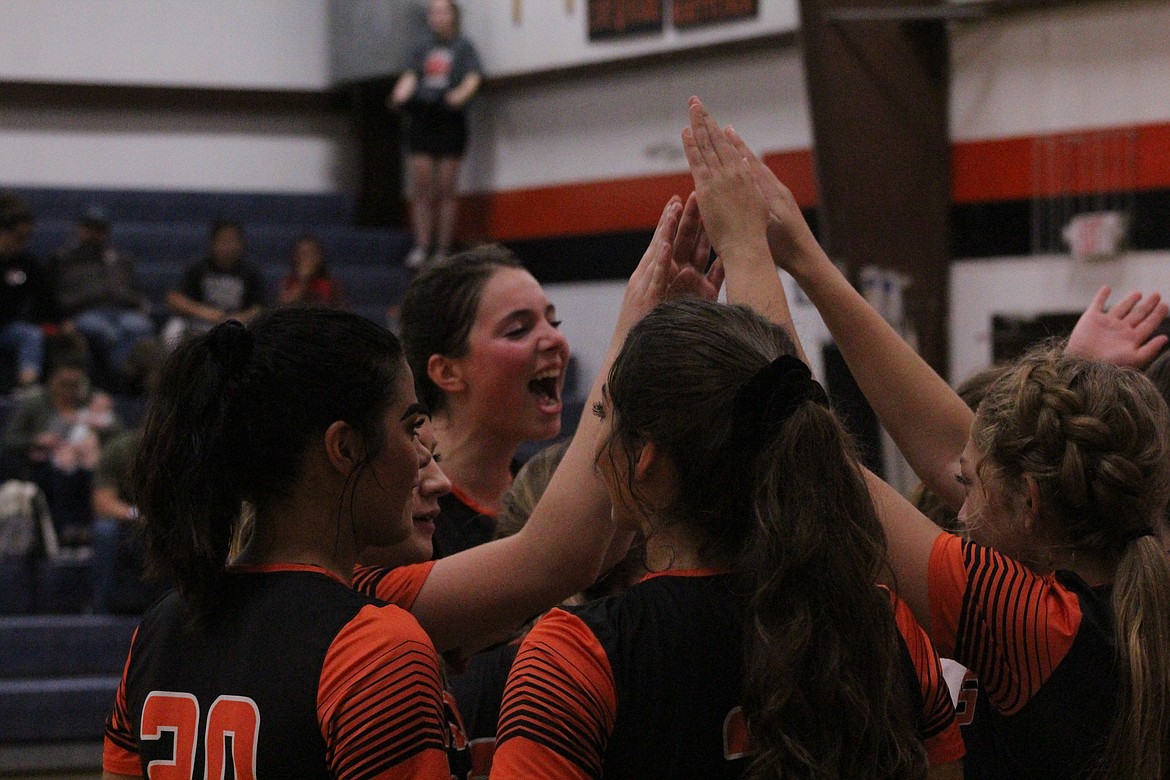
x=878, y=93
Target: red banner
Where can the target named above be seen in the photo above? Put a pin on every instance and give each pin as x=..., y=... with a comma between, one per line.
x=688, y=13
x=615, y=18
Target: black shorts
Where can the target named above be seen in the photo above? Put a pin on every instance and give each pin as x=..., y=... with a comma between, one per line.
x=437, y=131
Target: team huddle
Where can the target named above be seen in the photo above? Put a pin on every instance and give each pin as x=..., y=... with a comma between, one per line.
x=710, y=585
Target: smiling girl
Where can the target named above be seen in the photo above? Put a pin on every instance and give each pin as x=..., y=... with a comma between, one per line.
x=489, y=360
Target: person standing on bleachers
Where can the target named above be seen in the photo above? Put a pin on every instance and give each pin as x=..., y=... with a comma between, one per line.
x=95, y=292
x=441, y=76
x=216, y=288
x=24, y=293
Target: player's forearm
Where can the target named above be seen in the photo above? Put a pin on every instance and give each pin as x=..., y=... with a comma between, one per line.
x=757, y=285
x=925, y=417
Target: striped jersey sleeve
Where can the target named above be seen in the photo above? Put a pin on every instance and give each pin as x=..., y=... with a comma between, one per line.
x=938, y=727
x=1009, y=625
x=399, y=585
x=120, y=750
x=559, y=705
x=379, y=700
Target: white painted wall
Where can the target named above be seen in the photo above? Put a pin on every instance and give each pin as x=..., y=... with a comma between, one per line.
x=227, y=44
x=627, y=123
x=174, y=151
x=1087, y=66
x=262, y=44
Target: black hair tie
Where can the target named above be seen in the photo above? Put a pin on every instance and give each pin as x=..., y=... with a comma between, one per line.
x=1135, y=534
x=230, y=344
x=771, y=396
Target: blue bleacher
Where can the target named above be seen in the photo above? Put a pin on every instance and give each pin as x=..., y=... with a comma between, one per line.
x=59, y=672
x=58, y=678
x=165, y=231
x=168, y=206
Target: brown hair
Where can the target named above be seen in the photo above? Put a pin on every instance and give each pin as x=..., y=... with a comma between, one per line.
x=1093, y=438
x=439, y=309
x=231, y=419
x=791, y=513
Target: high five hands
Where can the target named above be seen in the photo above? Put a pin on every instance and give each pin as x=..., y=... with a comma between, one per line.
x=723, y=165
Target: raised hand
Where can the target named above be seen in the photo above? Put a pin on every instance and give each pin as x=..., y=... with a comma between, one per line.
x=692, y=274
x=733, y=208
x=1122, y=334
x=649, y=281
x=789, y=238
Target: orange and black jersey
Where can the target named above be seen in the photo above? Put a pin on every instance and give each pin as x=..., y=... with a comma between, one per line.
x=1040, y=696
x=647, y=685
x=296, y=675
x=461, y=524
x=398, y=585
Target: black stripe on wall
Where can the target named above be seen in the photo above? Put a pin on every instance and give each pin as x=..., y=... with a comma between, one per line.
x=978, y=230
x=591, y=258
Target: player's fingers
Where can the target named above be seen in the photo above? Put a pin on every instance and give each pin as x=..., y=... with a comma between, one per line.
x=716, y=275
x=689, y=227
x=1099, y=299
x=1150, y=350
x=1150, y=322
x=1143, y=309
x=700, y=126
x=1122, y=308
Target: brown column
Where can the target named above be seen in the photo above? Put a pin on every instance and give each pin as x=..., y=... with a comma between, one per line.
x=878, y=80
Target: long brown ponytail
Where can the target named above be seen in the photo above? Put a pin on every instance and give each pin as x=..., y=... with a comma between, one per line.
x=783, y=500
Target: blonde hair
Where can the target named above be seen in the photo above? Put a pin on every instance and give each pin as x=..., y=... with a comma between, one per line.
x=971, y=390
x=1093, y=438
x=528, y=487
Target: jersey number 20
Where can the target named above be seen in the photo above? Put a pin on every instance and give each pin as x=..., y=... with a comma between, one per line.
x=178, y=715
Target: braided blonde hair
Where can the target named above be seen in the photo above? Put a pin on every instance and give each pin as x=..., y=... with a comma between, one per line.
x=1095, y=439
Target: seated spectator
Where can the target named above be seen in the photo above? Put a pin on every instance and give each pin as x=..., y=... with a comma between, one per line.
x=55, y=436
x=24, y=296
x=95, y=292
x=117, y=572
x=308, y=281
x=218, y=287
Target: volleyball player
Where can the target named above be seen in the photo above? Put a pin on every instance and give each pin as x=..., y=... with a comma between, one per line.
x=274, y=665
x=1056, y=597
x=761, y=645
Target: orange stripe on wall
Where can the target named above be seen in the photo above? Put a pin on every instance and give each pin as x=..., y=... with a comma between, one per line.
x=609, y=206
x=1061, y=164
x=981, y=171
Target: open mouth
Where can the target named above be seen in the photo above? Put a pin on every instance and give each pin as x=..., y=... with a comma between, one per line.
x=546, y=387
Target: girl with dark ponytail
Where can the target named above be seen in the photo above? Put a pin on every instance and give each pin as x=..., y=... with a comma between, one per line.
x=760, y=646
x=1055, y=595
x=308, y=418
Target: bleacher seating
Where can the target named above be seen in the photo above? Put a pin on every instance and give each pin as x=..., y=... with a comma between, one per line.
x=164, y=231
x=58, y=678
x=59, y=671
